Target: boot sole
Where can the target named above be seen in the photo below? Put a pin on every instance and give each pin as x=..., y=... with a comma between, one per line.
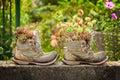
x=84, y=62
x=20, y=62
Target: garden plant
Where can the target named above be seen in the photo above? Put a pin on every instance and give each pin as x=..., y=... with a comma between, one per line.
x=101, y=15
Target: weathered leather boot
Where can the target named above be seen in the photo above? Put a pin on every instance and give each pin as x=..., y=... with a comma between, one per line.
x=30, y=52
x=79, y=52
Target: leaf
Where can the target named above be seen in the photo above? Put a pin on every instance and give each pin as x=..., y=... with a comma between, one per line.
x=87, y=30
x=80, y=29
x=21, y=37
x=1, y=50
x=70, y=29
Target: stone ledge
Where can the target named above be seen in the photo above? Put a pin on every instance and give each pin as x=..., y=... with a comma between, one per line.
x=108, y=71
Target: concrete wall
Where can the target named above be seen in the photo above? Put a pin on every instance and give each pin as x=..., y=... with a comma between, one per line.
x=108, y=71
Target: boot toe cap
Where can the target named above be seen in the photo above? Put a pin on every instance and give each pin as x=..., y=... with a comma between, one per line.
x=47, y=57
x=99, y=56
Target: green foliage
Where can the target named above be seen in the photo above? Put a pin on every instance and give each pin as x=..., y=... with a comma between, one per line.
x=112, y=39
x=5, y=31
x=87, y=30
x=1, y=50
x=52, y=12
x=80, y=29
x=94, y=46
x=69, y=29
x=111, y=29
x=51, y=15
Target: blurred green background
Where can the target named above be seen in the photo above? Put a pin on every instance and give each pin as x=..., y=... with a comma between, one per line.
x=45, y=14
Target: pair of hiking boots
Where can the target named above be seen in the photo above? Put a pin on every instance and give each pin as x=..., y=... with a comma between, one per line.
x=30, y=52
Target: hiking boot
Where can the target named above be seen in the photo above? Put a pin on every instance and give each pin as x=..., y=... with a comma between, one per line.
x=79, y=52
x=30, y=52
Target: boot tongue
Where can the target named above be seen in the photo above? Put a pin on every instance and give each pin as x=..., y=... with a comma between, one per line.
x=37, y=41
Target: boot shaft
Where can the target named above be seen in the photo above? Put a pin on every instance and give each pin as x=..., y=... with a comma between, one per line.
x=31, y=47
x=80, y=49
x=78, y=46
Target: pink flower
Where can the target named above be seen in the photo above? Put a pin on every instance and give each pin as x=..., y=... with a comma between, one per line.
x=107, y=0
x=110, y=5
x=114, y=16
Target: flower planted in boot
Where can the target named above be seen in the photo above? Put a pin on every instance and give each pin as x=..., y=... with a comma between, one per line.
x=28, y=49
x=78, y=35
x=79, y=50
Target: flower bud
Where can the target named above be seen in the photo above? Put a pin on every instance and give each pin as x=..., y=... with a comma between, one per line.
x=87, y=19
x=94, y=21
x=53, y=37
x=54, y=43
x=80, y=12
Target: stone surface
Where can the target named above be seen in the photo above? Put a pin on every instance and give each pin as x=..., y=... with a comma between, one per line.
x=108, y=71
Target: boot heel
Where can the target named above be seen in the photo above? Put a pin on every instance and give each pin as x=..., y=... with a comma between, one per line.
x=20, y=62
